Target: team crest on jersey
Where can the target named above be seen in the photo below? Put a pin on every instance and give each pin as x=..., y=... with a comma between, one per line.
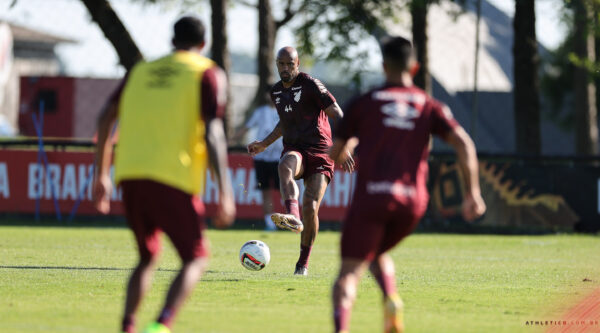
x=297, y=95
x=277, y=100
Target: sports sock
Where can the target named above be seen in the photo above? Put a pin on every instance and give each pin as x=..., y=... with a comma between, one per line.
x=269, y=225
x=341, y=318
x=128, y=324
x=387, y=283
x=166, y=317
x=304, y=255
x=291, y=207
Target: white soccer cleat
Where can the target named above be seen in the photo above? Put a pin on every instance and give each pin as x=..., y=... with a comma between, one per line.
x=288, y=222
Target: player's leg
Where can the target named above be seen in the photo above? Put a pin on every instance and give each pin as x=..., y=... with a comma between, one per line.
x=402, y=221
x=344, y=291
x=181, y=216
x=147, y=238
x=383, y=270
x=264, y=182
x=290, y=168
x=314, y=190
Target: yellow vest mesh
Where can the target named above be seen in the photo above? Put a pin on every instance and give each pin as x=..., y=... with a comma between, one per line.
x=161, y=130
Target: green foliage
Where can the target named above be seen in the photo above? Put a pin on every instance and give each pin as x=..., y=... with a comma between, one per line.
x=335, y=30
x=72, y=279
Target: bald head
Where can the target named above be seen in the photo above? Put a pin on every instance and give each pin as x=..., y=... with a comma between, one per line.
x=287, y=51
x=287, y=64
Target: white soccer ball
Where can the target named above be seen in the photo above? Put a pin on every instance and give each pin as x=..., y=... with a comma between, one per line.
x=255, y=255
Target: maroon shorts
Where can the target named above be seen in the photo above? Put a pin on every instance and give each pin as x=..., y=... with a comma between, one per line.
x=373, y=225
x=152, y=207
x=313, y=163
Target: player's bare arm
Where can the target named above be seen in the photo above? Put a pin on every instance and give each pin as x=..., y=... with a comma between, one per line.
x=102, y=182
x=217, y=152
x=473, y=204
x=259, y=146
x=335, y=113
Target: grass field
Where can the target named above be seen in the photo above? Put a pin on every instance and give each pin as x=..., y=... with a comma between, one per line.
x=71, y=279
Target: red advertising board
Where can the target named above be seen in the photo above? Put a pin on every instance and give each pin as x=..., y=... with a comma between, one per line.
x=24, y=179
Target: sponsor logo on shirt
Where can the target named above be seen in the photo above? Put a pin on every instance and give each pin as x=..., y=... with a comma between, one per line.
x=296, y=88
x=385, y=187
x=399, y=115
x=277, y=92
x=320, y=167
x=297, y=95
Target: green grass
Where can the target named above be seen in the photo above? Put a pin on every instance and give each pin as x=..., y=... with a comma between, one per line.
x=71, y=279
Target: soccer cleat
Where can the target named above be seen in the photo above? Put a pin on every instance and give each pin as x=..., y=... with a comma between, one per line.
x=393, y=315
x=287, y=221
x=157, y=328
x=301, y=270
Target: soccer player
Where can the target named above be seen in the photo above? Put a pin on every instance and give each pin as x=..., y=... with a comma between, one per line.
x=393, y=124
x=304, y=105
x=264, y=119
x=169, y=112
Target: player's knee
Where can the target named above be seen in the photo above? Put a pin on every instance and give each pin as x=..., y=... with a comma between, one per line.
x=285, y=171
x=309, y=207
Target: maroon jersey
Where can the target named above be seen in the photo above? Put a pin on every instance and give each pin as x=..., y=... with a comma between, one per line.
x=393, y=125
x=300, y=107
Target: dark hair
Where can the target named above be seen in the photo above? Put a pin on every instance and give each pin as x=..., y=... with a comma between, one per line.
x=396, y=51
x=188, y=31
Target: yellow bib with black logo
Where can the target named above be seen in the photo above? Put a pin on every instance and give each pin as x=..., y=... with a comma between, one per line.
x=161, y=130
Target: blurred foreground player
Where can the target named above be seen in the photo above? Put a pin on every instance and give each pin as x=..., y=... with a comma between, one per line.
x=169, y=113
x=392, y=124
x=304, y=105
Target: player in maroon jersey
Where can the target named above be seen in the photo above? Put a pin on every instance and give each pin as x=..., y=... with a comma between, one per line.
x=304, y=106
x=393, y=124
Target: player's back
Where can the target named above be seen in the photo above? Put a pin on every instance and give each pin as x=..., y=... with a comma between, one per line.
x=161, y=132
x=393, y=125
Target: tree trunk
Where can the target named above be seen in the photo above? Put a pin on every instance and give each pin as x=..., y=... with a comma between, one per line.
x=586, y=122
x=114, y=30
x=266, y=45
x=526, y=86
x=219, y=50
x=418, y=12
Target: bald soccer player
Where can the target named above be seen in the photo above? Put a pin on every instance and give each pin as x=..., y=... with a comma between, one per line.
x=304, y=106
x=393, y=124
x=170, y=128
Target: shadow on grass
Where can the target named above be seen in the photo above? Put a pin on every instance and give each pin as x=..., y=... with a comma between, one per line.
x=73, y=268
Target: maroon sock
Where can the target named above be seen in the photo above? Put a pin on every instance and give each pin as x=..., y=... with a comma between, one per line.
x=128, y=324
x=341, y=318
x=304, y=255
x=291, y=207
x=387, y=283
x=166, y=317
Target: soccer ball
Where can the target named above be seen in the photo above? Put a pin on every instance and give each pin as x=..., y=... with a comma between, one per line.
x=255, y=255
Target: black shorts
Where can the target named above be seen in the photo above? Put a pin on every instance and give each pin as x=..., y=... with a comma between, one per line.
x=267, y=175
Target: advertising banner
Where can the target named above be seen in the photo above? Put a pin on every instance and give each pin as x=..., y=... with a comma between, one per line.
x=26, y=183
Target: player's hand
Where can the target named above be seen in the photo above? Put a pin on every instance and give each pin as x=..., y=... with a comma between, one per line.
x=225, y=211
x=348, y=164
x=101, y=193
x=256, y=147
x=473, y=207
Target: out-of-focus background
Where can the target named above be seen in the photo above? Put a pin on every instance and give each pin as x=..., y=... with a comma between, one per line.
x=520, y=76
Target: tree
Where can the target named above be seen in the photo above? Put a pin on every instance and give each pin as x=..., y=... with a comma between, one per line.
x=219, y=50
x=107, y=19
x=526, y=82
x=418, y=13
x=586, y=118
x=268, y=27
